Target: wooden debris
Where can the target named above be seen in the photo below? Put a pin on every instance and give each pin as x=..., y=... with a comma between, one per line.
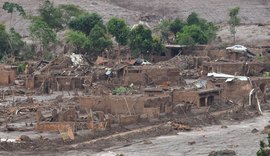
x=180, y=127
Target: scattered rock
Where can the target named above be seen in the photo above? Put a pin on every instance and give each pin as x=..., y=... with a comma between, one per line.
x=254, y=130
x=225, y=152
x=25, y=138
x=147, y=142
x=192, y=143
x=224, y=126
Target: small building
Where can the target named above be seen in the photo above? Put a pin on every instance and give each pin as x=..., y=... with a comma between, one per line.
x=200, y=97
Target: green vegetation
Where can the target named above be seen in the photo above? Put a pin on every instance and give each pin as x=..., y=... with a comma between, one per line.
x=40, y=31
x=193, y=19
x=266, y=74
x=16, y=43
x=51, y=19
x=85, y=23
x=57, y=17
x=192, y=33
x=163, y=30
x=185, y=39
x=89, y=34
x=4, y=42
x=77, y=39
x=69, y=11
x=234, y=20
x=120, y=90
x=10, y=42
x=264, y=148
x=260, y=57
x=119, y=29
x=157, y=46
x=98, y=39
x=11, y=7
x=176, y=26
x=51, y=15
x=140, y=40
x=196, y=31
x=21, y=67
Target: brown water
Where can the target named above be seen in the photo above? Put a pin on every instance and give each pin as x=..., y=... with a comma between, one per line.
x=237, y=137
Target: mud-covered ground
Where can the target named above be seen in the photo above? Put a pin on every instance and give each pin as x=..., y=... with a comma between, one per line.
x=235, y=136
x=119, y=138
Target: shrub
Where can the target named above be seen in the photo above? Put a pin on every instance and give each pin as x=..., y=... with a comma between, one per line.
x=51, y=15
x=85, y=23
x=119, y=29
x=120, y=90
x=140, y=40
x=264, y=148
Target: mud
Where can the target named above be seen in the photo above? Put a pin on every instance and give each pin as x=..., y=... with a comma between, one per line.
x=237, y=136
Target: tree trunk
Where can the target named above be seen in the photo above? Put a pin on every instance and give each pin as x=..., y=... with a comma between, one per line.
x=10, y=22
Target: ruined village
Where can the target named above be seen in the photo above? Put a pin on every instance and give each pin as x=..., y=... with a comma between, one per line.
x=114, y=101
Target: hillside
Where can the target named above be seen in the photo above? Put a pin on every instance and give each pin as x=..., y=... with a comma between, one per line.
x=252, y=12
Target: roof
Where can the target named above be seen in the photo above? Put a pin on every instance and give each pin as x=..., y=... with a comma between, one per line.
x=228, y=77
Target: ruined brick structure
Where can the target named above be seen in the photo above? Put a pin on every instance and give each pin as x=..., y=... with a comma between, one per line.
x=151, y=75
x=133, y=105
x=200, y=98
x=8, y=74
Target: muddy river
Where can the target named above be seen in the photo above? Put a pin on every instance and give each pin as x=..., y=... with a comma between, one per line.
x=236, y=136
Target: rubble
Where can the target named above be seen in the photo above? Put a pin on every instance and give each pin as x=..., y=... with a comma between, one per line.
x=180, y=127
x=71, y=97
x=254, y=130
x=222, y=153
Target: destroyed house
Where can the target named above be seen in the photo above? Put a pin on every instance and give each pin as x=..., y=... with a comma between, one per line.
x=150, y=75
x=199, y=98
x=135, y=105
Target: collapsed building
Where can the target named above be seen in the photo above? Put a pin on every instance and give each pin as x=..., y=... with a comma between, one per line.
x=155, y=89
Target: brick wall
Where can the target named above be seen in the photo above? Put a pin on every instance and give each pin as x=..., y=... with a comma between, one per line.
x=183, y=96
x=125, y=104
